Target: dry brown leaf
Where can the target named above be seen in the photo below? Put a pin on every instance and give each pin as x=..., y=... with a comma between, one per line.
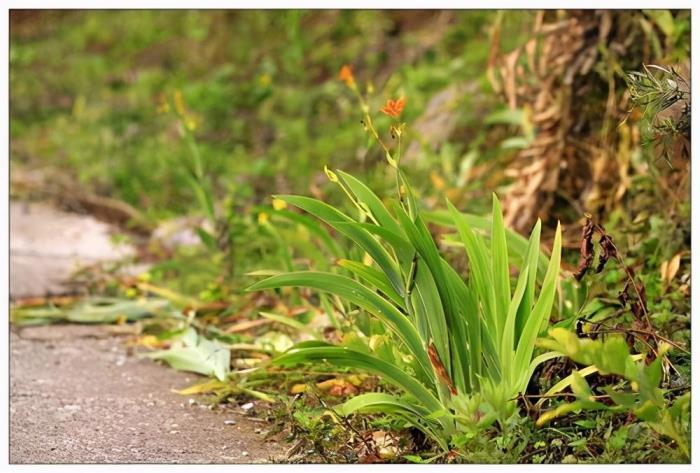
x=337, y=387
x=386, y=444
x=670, y=268
x=247, y=325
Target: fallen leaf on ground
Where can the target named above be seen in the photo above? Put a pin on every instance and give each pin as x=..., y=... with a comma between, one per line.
x=212, y=385
x=246, y=325
x=197, y=354
x=150, y=341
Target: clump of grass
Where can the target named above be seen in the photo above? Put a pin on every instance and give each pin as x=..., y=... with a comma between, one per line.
x=460, y=351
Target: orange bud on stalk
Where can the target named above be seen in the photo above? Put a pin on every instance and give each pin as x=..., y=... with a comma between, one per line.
x=346, y=75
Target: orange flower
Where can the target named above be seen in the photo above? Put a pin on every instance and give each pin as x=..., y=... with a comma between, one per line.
x=393, y=108
x=346, y=75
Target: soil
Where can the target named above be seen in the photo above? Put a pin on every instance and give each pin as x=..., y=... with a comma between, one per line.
x=78, y=396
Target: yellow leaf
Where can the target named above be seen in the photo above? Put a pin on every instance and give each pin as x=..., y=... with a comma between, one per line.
x=673, y=267
x=663, y=270
x=669, y=269
x=298, y=388
x=545, y=418
x=151, y=341
x=437, y=180
x=356, y=380
x=179, y=103
x=201, y=388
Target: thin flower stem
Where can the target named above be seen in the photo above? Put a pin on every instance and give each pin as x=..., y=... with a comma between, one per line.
x=370, y=127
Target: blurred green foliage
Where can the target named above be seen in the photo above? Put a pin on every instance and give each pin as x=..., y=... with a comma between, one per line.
x=261, y=85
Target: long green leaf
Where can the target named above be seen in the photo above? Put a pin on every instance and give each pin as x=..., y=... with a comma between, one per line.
x=466, y=333
x=429, y=312
x=542, y=309
x=384, y=403
x=359, y=295
x=313, y=226
x=342, y=356
x=531, y=262
x=480, y=272
x=500, y=274
x=378, y=253
x=435, y=293
x=352, y=230
x=507, y=343
x=516, y=242
x=365, y=195
x=374, y=277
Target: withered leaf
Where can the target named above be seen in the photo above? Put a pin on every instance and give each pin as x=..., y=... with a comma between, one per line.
x=586, y=257
x=440, y=368
x=670, y=268
x=607, y=251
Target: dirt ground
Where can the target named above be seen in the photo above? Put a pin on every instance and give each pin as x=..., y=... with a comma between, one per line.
x=77, y=396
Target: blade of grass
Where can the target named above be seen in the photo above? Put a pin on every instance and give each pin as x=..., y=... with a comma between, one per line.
x=542, y=309
x=500, y=273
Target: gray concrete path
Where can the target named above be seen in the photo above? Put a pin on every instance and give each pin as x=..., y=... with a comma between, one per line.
x=76, y=396
x=47, y=245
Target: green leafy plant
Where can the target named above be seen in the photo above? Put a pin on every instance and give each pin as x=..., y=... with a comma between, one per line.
x=643, y=395
x=223, y=225
x=462, y=351
x=655, y=90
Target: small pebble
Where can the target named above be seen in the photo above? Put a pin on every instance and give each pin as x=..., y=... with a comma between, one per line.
x=229, y=422
x=258, y=430
x=191, y=401
x=247, y=406
x=245, y=454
